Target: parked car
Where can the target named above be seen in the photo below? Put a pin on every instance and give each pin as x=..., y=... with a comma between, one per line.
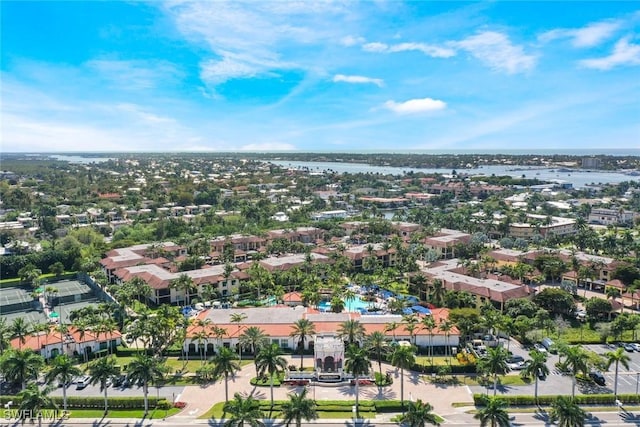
x=83, y=382
x=119, y=381
x=517, y=366
x=636, y=346
x=541, y=375
x=547, y=343
x=629, y=347
x=515, y=359
x=597, y=377
x=539, y=347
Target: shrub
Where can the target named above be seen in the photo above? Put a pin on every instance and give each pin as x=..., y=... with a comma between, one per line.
x=586, y=399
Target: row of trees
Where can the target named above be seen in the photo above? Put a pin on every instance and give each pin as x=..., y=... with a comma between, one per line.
x=23, y=367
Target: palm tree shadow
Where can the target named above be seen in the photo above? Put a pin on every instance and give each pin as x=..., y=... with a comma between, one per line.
x=256, y=394
x=101, y=422
x=414, y=378
x=348, y=390
x=214, y=422
x=541, y=415
x=380, y=393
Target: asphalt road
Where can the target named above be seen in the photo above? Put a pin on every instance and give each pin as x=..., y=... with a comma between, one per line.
x=537, y=419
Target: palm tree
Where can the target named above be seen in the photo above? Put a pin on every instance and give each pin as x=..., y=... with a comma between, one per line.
x=270, y=360
x=34, y=399
x=391, y=327
x=493, y=414
x=101, y=371
x=411, y=326
x=37, y=329
x=145, y=369
x=185, y=284
x=566, y=412
x=20, y=329
x=225, y=364
x=376, y=342
x=299, y=407
x=302, y=328
x=429, y=323
x=536, y=368
x=351, y=331
x=357, y=362
x=63, y=370
x=403, y=357
x=238, y=318
x=575, y=361
x=254, y=338
x=201, y=337
x=20, y=366
x=618, y=356
x=494, y=363
x=437, y=293
x=5, y=335
x=445, y=326
x=243, y=410
x=419, y=415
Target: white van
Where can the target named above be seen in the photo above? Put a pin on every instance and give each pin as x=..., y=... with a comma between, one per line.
x=83, y=382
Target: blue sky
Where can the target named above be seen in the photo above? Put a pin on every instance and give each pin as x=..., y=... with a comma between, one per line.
x=319, y=76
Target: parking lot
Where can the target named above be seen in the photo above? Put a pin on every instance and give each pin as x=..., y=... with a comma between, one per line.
x=558, y=383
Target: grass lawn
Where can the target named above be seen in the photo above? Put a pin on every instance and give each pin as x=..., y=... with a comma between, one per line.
x=217, y=413
x=437, y=361
x=214, y=412
x=123, y=413
x=177, y=364
x=439, y=419
x=502, y=380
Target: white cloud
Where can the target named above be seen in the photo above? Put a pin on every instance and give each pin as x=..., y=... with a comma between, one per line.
x=216, y=72
x=414, y=106
x=427, y=49
x=268, y=146
x=349, y=41
x=256, y=39
x=497, y=52
x=624, y=53
x=375, y=47
x=589, y=36
x=133, y=75
x=358, y=80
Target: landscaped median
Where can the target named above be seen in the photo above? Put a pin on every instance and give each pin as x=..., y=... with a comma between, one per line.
x=93, y=407
x=326, y=409
x=580, y=399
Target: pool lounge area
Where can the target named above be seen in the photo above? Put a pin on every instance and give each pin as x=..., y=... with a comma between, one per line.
x=358, y=305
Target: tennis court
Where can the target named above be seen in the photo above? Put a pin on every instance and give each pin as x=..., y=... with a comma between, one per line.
x=69, y=291
x=15, y=299
x=30, y=317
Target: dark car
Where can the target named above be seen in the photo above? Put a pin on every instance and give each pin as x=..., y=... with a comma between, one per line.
x=597, y=377
x=119, y=381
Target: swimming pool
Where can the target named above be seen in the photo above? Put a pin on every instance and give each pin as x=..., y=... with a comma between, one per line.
x=353, y=304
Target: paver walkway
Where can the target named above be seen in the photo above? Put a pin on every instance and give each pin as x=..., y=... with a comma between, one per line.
x=441, y=397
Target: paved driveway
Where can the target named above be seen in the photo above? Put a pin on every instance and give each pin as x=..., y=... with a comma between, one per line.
x=200, y=399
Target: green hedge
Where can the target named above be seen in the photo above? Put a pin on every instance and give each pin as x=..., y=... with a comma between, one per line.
x=129, y=351
x=95, y=402
x=388, y=405
x=582, y=399
x=341, y=406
